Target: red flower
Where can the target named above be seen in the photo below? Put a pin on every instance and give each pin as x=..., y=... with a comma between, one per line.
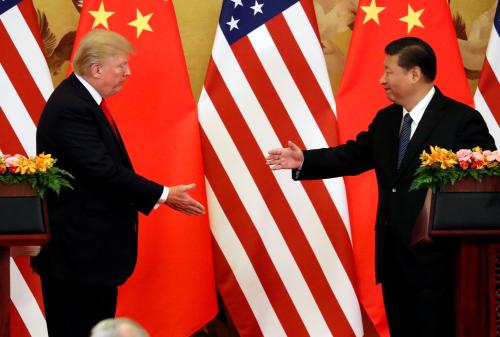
x=464, y=165
x=12, y=169
x=477, y=165
x=3, y=168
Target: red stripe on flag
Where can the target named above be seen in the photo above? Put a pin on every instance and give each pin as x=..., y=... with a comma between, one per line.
x=490, y=89
x=304, y=78
x=278, y=206
x=30, y=16
x=234, y=299
x=20, y=77
x=252, y=243
x=32, y=279
x=17, y=326
x=9, y=144
x=285, y=130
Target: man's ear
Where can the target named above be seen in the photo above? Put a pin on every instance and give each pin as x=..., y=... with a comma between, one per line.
x=95, y=70
x=416, y=74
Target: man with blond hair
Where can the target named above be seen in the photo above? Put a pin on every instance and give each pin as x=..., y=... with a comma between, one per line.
x=93, y=244
x=119, y=327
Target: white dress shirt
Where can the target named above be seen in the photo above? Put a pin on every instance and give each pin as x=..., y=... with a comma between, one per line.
x=418, y=111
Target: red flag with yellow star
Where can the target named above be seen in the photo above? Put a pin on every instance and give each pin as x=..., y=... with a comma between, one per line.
x=360, y=96
x=171, y=292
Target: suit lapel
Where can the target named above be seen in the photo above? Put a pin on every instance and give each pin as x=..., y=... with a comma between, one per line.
x=83, y=92
x=393, y=125
x=433, y=114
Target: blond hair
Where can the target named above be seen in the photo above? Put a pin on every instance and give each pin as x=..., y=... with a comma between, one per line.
x=97, y=45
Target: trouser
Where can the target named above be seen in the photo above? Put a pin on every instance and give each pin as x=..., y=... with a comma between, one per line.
x=72, y=309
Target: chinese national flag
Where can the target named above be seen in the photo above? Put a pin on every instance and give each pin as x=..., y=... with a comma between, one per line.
x=360, y=96
x=171, y=292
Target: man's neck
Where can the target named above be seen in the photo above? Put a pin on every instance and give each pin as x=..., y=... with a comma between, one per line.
x=418, y=95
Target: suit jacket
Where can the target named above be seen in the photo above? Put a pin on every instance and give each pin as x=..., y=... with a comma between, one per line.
x=445, y=123
x=94, y=226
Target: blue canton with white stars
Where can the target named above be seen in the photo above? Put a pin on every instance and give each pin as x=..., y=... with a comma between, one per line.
x=240, y=17
x=5, y=5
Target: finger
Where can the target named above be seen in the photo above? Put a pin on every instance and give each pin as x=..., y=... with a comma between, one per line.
x=293, y=146
x=188, y=187
x=275, y=152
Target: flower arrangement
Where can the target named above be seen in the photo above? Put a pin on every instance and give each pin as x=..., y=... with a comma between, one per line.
x=38, y=171
x=442, y=166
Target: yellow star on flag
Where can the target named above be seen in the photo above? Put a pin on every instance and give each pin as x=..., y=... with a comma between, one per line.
x=141, y=22
x=372, y=12
x=413, y=18
x=101, y=16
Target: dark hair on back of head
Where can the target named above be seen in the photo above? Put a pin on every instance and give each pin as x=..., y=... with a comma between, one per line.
x=413, y=52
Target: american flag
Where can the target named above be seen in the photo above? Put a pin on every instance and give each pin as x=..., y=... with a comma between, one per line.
x=487, y=97
x=283, y=251
x=25, y=85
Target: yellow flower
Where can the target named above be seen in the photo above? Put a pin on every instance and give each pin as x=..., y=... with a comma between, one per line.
x=438, y=156
x=44, y=162
x=477, y=149
x=26, y=165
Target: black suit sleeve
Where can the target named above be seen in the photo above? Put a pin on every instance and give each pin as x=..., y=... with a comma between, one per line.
x=81, y=147
x=351, y=158
x=474, y=132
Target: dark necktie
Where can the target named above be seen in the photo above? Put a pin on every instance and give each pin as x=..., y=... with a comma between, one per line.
x=107, y=114
x=404, y=137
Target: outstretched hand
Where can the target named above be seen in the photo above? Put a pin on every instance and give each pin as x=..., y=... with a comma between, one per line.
x=181, y=201
x=290, y=157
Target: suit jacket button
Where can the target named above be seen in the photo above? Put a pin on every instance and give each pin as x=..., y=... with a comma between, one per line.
x=394, y=189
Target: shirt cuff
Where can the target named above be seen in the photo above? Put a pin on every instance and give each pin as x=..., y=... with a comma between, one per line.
x=163, y=197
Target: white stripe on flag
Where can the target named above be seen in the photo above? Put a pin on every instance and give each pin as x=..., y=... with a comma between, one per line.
x=295, y=194
x=258, y=211
x=296, y=107
x=17, y=115
x=242, y=268
x=26, y=304
x=493, y=53
x=490, y=120
x=285, y=87
x=308, y=42
x=28, y=49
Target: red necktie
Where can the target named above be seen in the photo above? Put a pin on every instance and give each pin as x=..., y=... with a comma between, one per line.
x=107, y=113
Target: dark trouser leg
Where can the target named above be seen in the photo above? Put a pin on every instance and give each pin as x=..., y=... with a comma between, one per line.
x=72, y=309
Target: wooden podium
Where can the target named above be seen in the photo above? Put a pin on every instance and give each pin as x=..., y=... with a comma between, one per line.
x=469, y=214
x=18, y=242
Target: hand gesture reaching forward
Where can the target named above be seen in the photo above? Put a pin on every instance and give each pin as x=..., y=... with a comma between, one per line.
x=290, y=157
x=181, y=201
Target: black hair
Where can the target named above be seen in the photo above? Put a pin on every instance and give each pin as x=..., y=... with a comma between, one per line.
x=413, y=52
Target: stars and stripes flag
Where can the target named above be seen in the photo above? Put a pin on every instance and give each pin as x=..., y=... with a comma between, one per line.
x=283, y=253
x=487, y=96
x=25, y=85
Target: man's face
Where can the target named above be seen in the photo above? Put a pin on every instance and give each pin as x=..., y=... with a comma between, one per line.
x=397, y=81
x=114, y=70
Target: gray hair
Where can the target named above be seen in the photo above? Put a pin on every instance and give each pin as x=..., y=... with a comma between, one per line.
x=118, y=327
x=97, y=45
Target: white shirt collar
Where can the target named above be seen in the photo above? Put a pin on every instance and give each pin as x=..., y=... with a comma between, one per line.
x=95, y=95
x=417, y=112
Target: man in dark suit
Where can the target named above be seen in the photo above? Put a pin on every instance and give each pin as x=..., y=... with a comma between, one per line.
x=417, y=282
x=93, y=244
